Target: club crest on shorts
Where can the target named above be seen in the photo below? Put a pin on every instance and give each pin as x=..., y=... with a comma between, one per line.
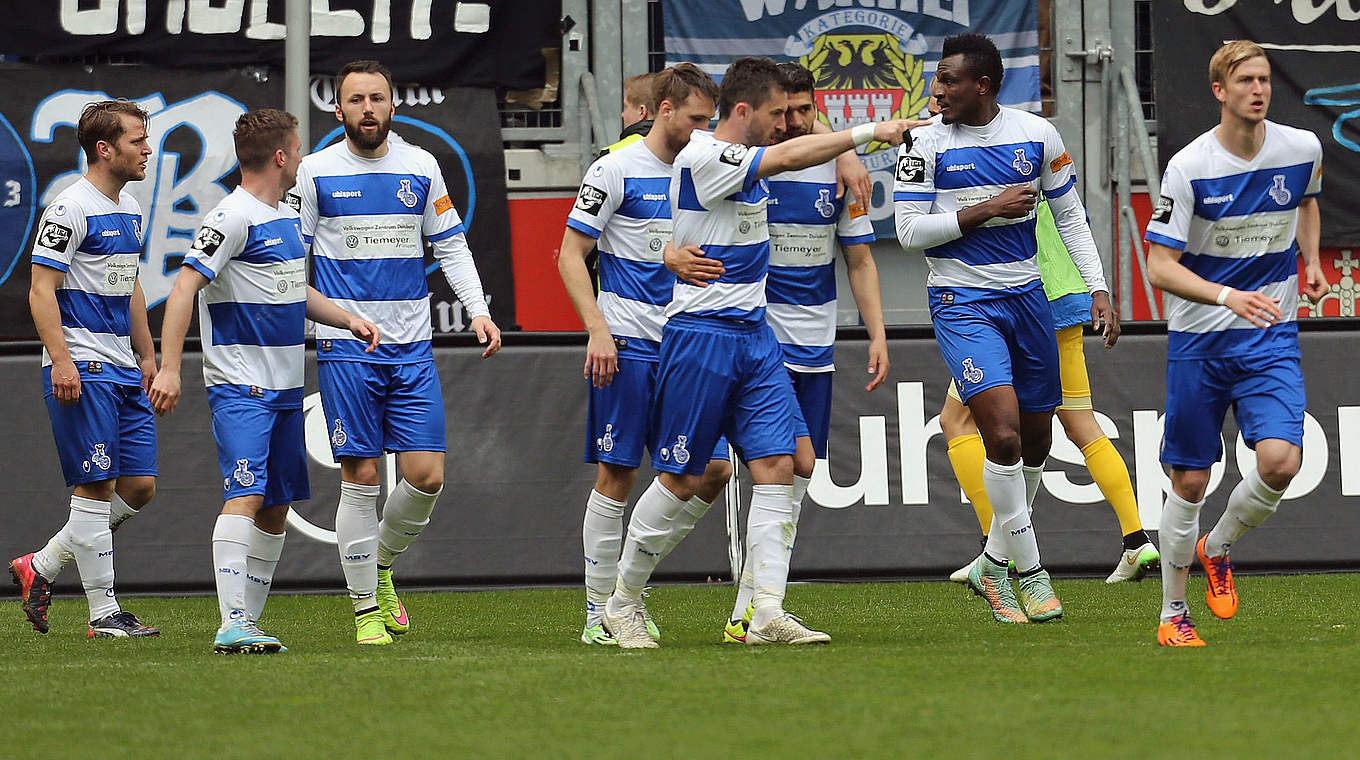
x=242, y=473
x=338, y=437
x=406, y=195
x=970, y=373
x=678, y=452
x=1022, y=164
x=606, y=442
x=100, y=457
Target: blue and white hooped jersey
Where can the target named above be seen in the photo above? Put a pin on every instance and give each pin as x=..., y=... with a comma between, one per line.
x=367, y=220
x=624, y=204
x=98, y=244
x=718, y=203
x=951, y=167
x=252, y=314
x=1236, y=222
x=807, y=221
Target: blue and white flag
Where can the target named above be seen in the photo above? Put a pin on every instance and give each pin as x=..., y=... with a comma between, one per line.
x=871, y=63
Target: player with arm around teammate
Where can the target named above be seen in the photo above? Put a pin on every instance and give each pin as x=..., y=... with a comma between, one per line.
x=1238, y=209
x=248, y=266
x=965, y=196
x=98, y=361
x=368, y=205
x=623, y=207
x=721, y=369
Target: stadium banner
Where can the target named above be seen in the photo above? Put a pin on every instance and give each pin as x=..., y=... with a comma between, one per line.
x=887, y=505
x=870, y=63
x=495, y=43
x=1315, y=84
x=193, y=166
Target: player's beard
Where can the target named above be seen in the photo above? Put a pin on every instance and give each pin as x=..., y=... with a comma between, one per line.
x=366, y=141
x=129, y=163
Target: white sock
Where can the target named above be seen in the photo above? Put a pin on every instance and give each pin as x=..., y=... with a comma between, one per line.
x=261, y=560
x=769, y=540
x=1250, y=503
x=647, y=532
x=684, y=522
x=800, y=487
x=230, y=545
x=601, y=537
x=356, y=535
x=404, y=516
x=746, y=590
x=1033, y=477
x=119, y=512
x=55, y=554
x=1012, y=532
x=92, y=545
x=1178, y=531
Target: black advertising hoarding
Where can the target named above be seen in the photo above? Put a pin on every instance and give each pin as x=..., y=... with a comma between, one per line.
x=193, y=166
x=1314, y=53
x=496, y=43
x=515, y=485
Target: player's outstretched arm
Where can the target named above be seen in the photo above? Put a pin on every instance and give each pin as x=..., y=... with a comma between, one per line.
x=862, y=272
x=322, y=309
x=1165, y=271
x=42, y=302
x=810, y=150
x=179, y=306
x=851, y=174
x=691, y=265
x=140, y=336
x=1315, y=284
x=602, y=356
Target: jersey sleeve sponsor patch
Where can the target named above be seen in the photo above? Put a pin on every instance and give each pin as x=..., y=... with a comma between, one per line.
x=733, y=154
x=1162, y=211
x=442, y=204
x=1058, y=163
x=911, y=169
x=54, y=236
x=591, y=199
x=857, y=210
x=207, y=240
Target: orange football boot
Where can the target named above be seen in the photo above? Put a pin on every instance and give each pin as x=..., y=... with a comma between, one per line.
x=1179, y=632
x=1220, y=592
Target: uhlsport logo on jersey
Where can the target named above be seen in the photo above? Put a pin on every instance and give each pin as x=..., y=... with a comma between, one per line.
x=406, y=195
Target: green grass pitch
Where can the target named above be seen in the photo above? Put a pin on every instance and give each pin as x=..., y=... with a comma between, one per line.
x=915, y=670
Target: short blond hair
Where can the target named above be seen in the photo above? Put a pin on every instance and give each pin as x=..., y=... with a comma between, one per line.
x=637, y=91
x=1227, y=58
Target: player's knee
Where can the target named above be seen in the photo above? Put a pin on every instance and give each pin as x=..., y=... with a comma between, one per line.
x=1003, y=445
x=1278, y=471
x=100, y=491
x=139, y=495
x=1190, y=485
x=615, y=481
x=361, y=471
x=803, y=464
x=955, y=421
x=427, y=482
x=716, y=475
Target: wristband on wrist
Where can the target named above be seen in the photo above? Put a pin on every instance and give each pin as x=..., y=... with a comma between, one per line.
x=1223, y=295
x=863, y=133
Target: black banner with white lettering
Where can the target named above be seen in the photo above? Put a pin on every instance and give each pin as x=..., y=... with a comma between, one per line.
x=193, y=166
x=496, y=43
x=1315, y=83
x=887, y=505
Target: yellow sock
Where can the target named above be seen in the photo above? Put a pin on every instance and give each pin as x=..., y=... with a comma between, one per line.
x=966, y=454
x=1112, y=475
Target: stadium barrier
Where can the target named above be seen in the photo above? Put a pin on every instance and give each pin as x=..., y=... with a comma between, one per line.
x=886, y=506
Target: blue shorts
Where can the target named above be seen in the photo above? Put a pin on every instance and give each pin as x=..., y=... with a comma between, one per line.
x=1265, y=392
x=261, y=451
x=720, y=377
x=108, y=433
x=372, y=408
x=619, y=416
x=813, y=391
x=1071, y=309
x=1006, y=340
